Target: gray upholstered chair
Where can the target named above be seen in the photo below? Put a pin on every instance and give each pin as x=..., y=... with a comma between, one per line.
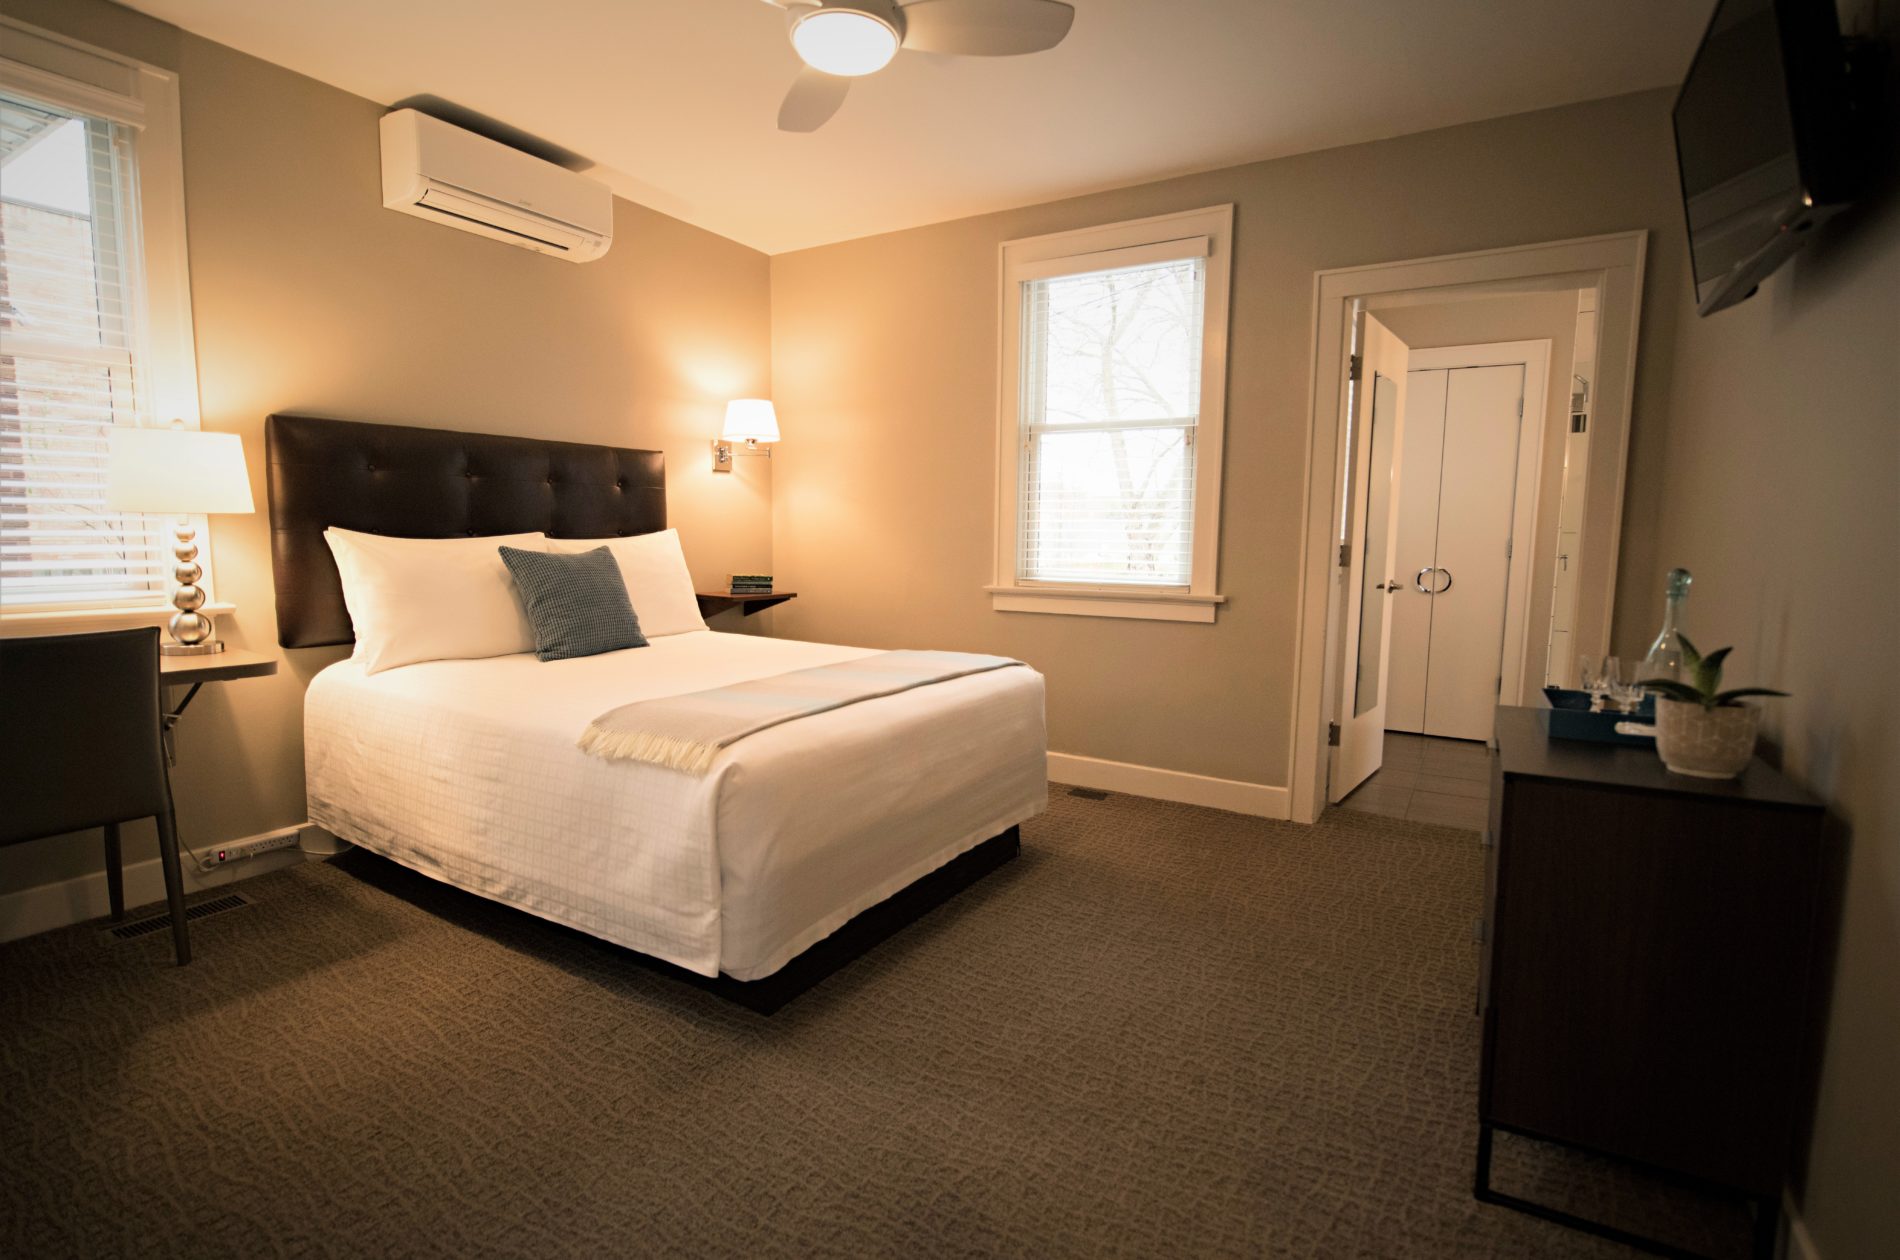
x=82, y=746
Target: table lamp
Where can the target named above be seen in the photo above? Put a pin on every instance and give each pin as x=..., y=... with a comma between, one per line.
x=180, y=472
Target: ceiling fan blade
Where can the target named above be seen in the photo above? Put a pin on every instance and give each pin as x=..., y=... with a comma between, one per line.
x=814, y=98
x=985, y=28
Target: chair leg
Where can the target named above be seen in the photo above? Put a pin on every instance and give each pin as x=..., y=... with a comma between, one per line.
x=174, y=882
x=115, y=872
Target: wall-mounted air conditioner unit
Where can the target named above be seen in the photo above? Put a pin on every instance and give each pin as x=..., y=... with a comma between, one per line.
x=440, y=172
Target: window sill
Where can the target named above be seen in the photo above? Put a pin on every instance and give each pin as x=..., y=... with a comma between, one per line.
x=1129, y=602
x=86, y=620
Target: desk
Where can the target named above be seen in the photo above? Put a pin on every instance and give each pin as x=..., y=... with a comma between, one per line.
x=195, y=671
x=175, y=671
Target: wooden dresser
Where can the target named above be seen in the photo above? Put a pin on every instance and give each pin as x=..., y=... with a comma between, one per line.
x=1646, y=964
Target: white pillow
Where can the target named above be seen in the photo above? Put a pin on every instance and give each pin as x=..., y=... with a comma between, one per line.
x=657, y=580
x=431, y=599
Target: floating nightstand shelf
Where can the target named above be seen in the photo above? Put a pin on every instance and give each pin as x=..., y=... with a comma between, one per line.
x=713, y=602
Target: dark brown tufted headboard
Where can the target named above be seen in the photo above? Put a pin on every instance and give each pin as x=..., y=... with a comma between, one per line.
x=432, y=483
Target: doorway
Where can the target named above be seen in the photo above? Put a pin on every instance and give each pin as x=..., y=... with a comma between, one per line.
x=1334, y=579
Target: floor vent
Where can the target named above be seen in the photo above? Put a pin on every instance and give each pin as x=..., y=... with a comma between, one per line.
x=1088, y=794
x=159, y=922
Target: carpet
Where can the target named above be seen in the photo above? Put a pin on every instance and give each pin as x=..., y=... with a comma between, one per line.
x=1162, y=1031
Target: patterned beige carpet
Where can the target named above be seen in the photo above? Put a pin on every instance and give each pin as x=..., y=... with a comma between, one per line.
x=1163, y=1031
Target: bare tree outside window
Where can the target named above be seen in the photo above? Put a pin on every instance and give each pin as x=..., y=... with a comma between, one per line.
x=1111, y=394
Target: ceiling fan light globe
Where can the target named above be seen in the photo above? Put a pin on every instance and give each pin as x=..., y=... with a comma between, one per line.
x=844, y=42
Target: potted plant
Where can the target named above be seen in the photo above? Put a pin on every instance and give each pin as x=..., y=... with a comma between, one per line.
x=1702, y=730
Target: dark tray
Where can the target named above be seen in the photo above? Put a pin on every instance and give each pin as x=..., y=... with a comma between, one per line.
x=1571, y=718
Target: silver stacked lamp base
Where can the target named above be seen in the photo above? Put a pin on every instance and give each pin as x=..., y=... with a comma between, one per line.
x=190, y=627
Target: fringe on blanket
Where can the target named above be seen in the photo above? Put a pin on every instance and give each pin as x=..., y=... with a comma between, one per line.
x=689, y=755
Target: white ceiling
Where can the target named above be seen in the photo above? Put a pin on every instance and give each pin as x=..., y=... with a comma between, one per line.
x=675, y=101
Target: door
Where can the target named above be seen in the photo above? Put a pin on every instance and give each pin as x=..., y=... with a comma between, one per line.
x=1460, y=468
x=1375, y=440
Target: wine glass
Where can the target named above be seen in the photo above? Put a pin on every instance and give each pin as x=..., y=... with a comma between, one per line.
x=1619, y=683
x=1588, y=679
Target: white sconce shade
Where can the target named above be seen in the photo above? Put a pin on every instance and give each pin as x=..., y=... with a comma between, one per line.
x=750, y=420
x=176, y=471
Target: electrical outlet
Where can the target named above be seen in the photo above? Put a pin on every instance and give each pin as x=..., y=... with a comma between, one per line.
x=224, y=855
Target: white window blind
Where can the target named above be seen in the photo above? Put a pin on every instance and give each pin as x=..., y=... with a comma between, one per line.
x=69, y=361
x=1110, y=400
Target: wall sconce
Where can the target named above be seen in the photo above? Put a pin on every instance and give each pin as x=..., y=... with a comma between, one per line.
x=750, y=421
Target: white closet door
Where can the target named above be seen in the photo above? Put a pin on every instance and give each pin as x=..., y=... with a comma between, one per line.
x=1477, y=490
x=1417, y=548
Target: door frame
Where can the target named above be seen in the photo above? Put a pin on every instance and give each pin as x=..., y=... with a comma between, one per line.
x=1535, y=356
x=1613, y=263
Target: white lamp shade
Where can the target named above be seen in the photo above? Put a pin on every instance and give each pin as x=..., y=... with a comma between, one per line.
x=176, y=471
x=750, y=420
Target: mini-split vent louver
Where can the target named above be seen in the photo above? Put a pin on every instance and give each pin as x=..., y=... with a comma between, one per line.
x=159, y=922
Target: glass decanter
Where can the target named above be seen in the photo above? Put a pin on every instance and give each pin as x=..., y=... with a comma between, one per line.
x=1665, y=655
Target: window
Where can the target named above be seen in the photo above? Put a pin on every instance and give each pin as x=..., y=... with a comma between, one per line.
x=93, y=325
x=1114, y=354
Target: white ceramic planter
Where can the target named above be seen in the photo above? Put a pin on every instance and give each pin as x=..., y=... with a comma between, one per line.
x=1706, y=743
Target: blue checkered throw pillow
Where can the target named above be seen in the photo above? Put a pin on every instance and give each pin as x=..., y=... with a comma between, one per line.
x=577, y=604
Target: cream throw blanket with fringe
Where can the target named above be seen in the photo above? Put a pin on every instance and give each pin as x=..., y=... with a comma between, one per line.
x=686, y=732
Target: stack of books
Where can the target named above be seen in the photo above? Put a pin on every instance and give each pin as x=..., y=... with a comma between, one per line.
x=750, y=583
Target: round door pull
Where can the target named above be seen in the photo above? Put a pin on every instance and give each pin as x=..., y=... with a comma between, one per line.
x=1447, y=586
x=1419, y=581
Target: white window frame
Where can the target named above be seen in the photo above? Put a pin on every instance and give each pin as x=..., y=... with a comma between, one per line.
x=1161, y=238
x=66, y=73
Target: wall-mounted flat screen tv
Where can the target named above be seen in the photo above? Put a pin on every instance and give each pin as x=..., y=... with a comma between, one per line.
x=1770, y=129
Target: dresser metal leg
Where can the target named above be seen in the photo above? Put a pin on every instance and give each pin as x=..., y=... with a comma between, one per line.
x=1483, y=1192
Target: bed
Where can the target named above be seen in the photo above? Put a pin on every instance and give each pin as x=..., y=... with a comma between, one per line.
x=801, y=845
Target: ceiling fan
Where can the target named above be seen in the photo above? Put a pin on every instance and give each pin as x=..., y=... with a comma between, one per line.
x=841, y=40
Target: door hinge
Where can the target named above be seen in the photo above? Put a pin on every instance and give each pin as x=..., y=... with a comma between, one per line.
x=1520, y=409
x=1332, y=734
x=1500, y=684
x=1354, y=366
x=1345, y=555
x=1507, y=549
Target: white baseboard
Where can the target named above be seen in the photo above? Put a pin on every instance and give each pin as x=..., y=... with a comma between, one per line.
x=44, y=907
x=1260, y=799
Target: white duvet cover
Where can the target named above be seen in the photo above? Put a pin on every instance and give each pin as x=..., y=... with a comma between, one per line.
x=468, y=772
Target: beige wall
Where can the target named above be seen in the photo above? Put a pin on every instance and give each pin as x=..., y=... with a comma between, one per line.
x=1765, y=448
x=1520, y=317
x=1764, y=455
x=1781, y=493
x=884, y=368
x=308, y=296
